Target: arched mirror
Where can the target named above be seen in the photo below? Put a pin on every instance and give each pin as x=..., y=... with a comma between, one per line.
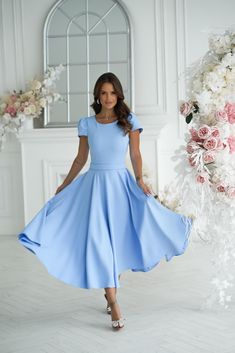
x=88, y=37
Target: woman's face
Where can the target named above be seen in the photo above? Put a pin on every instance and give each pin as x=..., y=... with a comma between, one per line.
x=108, y=97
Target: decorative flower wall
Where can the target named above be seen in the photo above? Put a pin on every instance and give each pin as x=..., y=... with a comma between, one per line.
x=205, y=165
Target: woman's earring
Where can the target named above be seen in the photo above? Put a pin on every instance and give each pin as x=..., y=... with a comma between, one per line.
x=98, y=101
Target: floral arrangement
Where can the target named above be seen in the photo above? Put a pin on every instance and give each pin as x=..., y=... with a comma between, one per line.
x=211, y=111
x=18, y=106
x=205, y=187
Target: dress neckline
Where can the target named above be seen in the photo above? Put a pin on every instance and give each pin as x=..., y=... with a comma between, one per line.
x=113, y=122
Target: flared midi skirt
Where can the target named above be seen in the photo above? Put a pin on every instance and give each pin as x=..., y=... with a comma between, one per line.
x=101, y=225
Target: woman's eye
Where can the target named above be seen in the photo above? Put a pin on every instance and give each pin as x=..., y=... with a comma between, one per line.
x=111, y=93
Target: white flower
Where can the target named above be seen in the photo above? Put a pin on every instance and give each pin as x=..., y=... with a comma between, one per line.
x=53, y=75
x=17, y=105
x=220, y=70
x=49, y=99
x=60, y=68
x=219, y=101
x=228, y=60
x=225, y=130
x=43, y=102
x=230, y=75
x=197, y=85
x=48, y=82
x=220, y=43
x=56, y=96
x=214, y=81
x=32, y=109
x=3, y=106
x=44, y=91
x=27, y=111
x=35, y=85
x=232, y=129
x=204, y=101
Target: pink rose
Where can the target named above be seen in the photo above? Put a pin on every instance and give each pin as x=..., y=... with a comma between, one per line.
x=220, y=187
x=202, y=177
x=221, y=115
x=10, y=110
x=191, y=146
x=13, y=97
x=208, y=157
x=231, y=143
x=204, y=132
x=186, y=108
x=210, y=143
x=230, y=192
x=230, y=110
x=194, y=135
x=215, y=131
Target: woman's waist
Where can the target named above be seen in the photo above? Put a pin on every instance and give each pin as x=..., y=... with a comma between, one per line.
x=107, y=165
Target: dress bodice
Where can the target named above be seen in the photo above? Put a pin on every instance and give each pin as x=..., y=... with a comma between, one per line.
x=108, y=143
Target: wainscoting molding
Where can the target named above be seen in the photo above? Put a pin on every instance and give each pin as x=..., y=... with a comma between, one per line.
x=12, y=66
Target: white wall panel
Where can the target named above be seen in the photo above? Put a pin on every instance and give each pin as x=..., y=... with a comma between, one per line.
x=12, y=46
x=2, y=49
x=11, y=195
x=34, y=16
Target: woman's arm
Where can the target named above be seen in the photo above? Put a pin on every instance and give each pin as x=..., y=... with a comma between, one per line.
x=136, y=160
x=78, y=163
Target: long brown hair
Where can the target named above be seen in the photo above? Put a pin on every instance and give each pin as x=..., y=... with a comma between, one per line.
x=121, y=109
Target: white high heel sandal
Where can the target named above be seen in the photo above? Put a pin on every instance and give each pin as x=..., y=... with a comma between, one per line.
x=116, y=324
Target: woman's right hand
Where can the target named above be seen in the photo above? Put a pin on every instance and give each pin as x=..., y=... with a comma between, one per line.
x=145, y=188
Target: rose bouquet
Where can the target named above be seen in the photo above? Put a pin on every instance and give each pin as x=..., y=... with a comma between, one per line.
x=210, y=110
x=18, y=106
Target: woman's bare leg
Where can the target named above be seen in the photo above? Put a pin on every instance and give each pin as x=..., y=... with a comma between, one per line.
x=111, y=296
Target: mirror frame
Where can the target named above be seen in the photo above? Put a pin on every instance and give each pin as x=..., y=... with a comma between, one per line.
x=46, y=120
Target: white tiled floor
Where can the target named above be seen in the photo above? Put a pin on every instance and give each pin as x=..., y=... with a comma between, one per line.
x=39, y=314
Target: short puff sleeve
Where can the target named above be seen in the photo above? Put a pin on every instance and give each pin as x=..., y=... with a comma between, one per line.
x=82, y=127
x=135, y=123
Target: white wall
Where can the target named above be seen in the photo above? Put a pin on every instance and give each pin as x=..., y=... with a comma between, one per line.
x=168, y=36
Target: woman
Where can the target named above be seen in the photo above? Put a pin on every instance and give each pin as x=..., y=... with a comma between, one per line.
x=105, y=222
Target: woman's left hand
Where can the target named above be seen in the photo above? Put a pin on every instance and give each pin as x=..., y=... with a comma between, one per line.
x=144, y=187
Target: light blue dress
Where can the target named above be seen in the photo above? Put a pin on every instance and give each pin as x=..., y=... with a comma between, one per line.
x=102, y=223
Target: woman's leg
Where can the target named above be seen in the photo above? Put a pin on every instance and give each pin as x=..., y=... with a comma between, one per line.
x=119, y=276
x=111, y=297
